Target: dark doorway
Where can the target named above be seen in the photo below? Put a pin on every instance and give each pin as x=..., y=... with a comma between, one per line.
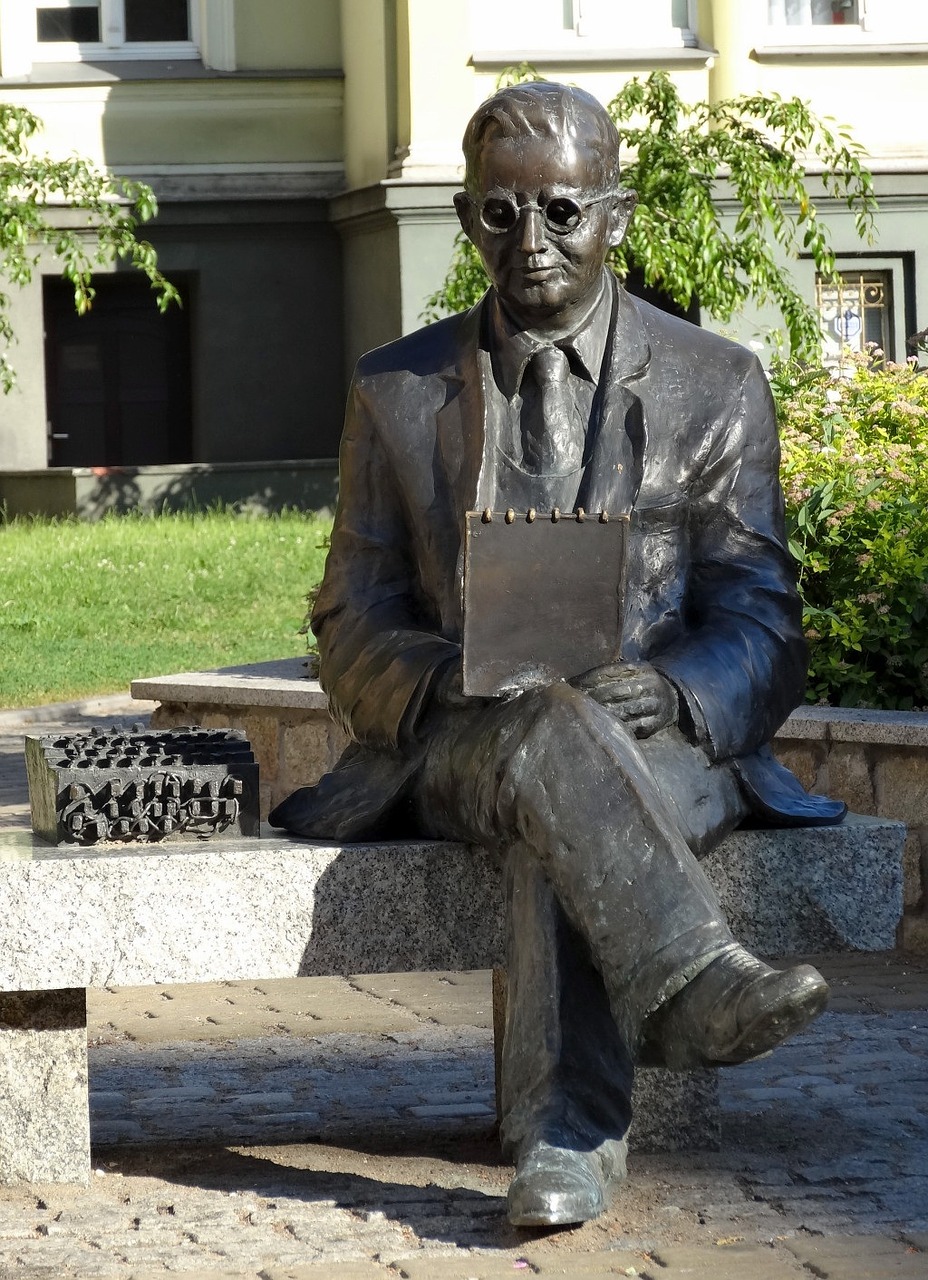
x=118, y=378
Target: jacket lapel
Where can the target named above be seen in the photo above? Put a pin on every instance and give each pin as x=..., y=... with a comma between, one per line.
x=460, y=427
x=613, y=476
x=461, y=422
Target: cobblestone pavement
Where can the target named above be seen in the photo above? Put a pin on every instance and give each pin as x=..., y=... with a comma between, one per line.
x=344, y=1127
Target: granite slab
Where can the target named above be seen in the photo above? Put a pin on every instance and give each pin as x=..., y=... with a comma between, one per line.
x=282, y=684
x=44, y=1120
x=281, y=907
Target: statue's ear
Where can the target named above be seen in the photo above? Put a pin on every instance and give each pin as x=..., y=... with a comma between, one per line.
x=467, y=215
x=621, y=212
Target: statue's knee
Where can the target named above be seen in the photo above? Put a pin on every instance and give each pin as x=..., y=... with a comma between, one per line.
x=558, y=701
x=566, y=709
x=558, y=724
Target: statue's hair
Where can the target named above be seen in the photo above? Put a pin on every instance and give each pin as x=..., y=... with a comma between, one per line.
x=543, y=109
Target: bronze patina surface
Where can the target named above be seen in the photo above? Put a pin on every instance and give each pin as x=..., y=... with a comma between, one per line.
x=599, y=791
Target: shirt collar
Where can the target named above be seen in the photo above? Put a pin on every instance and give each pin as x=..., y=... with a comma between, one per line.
x=511, y=348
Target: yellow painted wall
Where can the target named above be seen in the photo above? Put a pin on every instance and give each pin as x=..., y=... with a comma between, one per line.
x=368, y=59
x=434, y=43
x=192, y=122
x=883, y=101
x=283, y=34
x=880, y=96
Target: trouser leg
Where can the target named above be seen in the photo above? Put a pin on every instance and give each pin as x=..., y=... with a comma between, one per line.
x=566, y=1075
x=554, y=770
x=564, y=1065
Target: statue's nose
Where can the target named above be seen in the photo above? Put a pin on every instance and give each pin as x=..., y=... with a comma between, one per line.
x=533, y=239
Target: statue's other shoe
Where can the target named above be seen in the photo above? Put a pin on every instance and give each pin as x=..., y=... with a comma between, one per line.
x=555, y=1186
x=736, y=1009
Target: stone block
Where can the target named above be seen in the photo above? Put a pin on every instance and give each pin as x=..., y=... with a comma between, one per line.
x=901, y=785
x=169, y=716
x=281, y=907
x=847, y=777
x=263, y=732
x=304, y=750
x=914, y=861
x=338, y=741
x=212, y=718
x=266, y=800
x=913, y=934
x=807, y=760
x=804, y=889
x=675, y=1111
x=44, y=1116
x=281, y=683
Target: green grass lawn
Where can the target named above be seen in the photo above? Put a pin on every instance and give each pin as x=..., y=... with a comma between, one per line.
x=85, y=608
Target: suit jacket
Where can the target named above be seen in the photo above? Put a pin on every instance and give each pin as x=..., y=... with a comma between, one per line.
x=686, y=446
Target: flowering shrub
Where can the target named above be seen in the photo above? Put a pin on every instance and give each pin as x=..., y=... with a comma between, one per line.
x=855, y=474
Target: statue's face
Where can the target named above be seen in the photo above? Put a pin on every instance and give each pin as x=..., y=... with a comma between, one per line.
x=543, y=223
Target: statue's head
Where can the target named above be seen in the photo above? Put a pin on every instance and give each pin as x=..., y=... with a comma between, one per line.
x=542, y=201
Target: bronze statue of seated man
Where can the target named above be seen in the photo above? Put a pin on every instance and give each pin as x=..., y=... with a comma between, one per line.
x=560, y=390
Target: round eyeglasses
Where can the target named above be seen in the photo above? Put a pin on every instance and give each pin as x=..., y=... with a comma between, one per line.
x=561, y=214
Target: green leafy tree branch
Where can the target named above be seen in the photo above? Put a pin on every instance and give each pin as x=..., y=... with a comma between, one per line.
x=111, y=209
x=679, y=238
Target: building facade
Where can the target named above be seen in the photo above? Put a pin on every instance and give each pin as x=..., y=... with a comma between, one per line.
x=304, y=154
x=232, y=111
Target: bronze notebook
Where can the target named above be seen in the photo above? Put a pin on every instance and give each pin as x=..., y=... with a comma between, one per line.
x=543, y=598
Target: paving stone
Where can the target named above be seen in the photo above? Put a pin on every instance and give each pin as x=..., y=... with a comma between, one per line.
x=859, y=1258
x=322, y=1270
x=452, y=1109
x=210, y=1274
x=593, y=1265
x=218, y=1011
x=726, y=1262
x=454, y=999
x=471, y=1267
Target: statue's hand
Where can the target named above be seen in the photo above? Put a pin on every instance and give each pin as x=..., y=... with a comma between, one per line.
x=634, y=692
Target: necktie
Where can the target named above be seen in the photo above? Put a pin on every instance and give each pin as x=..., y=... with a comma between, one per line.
x=552, y=434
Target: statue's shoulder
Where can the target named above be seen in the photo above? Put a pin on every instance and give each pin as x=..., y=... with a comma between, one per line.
x=670, y=336
x=424, y=353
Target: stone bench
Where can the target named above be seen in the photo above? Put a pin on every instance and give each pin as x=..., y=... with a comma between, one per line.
x=277, y=908
x=875, y=761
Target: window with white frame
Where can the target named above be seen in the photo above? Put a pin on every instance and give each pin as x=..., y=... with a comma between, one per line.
x=574, y=25
x=621, y=21
x=866, y=21
x=84, y=30
x=812, y=13
x=37, y=32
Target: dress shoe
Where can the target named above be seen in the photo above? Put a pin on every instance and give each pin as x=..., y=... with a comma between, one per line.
x=736, y=1009
x=555, y=1186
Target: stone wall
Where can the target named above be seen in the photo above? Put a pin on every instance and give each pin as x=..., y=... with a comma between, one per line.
x=877, y=762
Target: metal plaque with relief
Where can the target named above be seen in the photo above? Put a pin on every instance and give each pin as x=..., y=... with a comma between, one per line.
x=543, y=597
